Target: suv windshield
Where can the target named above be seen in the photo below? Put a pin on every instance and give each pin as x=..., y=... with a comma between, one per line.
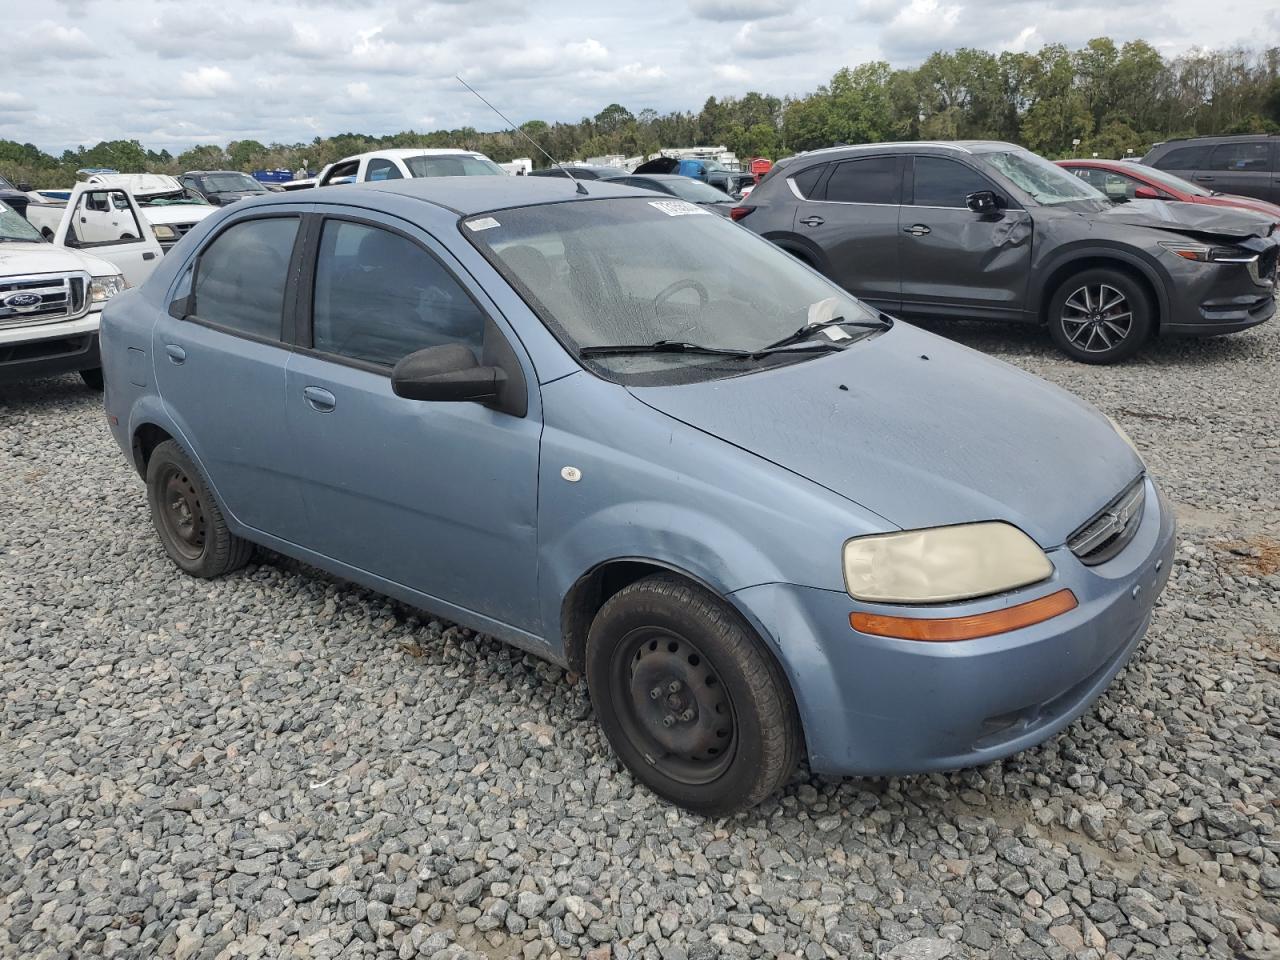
x=637, y=271
x=14, y=227
x=1046, y=182
x=453, y=165
x=231, y=183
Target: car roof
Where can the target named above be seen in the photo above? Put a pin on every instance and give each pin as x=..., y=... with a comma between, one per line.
x=957, y=146
x=469, y=195
x=404, y=153
x=662, y=176
x=203, y=173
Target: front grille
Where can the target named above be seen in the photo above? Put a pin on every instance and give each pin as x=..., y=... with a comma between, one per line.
x=1109, y=531
x=43, y=298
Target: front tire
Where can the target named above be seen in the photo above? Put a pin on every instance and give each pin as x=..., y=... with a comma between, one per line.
x=92, y=378
x=187, y=518
x=689, y=698
x=1100, y=316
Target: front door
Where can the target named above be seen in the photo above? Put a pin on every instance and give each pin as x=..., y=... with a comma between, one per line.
x=107, y=223
x=852, y=216
x=1245, y=167
x=957, y=263
x=440, y=498
x=221, y=369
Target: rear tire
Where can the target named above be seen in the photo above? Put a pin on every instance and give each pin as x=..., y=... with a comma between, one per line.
x=1101, y=315
x=689, y=698
x=187, y=518
x=92, y=378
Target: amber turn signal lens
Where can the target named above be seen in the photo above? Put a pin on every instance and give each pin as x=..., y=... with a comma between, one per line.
x=965, y=628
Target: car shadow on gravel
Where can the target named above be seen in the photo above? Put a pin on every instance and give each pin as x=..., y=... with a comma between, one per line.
x=33, y=395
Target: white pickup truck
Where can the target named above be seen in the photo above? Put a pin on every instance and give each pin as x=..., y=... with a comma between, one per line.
x=404, y=163
x=165, y=205
x=53, y=289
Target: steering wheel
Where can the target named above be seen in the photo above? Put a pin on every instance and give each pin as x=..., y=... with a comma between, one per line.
x=686, y=284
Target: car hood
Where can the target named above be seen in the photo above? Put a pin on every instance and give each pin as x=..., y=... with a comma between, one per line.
x=1270, y=210
x=921, y=431
x=41, y=257
x=178, y=212
x=1194, y=219
x=227, y=196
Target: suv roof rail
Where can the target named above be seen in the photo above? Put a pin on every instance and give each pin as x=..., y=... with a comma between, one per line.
x=1214, y=136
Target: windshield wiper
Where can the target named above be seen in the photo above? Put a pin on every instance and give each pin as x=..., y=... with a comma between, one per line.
x=680, y=346
x=809, y=329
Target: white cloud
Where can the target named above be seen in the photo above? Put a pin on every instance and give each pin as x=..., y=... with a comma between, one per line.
x=206, y=82
x=728, y=10
x=58, y=40
x=358, y=90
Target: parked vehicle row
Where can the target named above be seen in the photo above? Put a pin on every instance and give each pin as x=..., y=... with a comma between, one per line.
x=985, y=230
x=168, y=211
x=947, y=565
x=1247, y=165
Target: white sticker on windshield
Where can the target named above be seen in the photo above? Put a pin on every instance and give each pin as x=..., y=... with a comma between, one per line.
x=484, y=223
x=677, y=208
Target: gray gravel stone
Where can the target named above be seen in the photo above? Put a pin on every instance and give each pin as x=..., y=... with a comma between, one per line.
x=278, y=764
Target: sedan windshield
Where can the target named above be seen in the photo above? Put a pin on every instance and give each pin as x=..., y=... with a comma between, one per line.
x=231, y=183
x=631, y=271
x=1046, y=182
x=453, y=165
x=14, y=227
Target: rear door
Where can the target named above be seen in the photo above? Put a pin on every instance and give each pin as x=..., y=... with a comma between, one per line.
x=957, y=263
x=1245, y=167
x=221, y=368
x=106, y=222
x=852, y=216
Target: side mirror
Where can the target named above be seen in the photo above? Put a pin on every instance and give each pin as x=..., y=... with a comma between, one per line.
x=1146, y=193
x=982, y=201
x=448, y=372
x=24, y=186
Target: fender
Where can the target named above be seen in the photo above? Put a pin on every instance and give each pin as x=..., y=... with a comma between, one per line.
x=1046, y=272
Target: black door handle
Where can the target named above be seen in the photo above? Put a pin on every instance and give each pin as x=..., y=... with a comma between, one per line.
x=1205, y=179
x=148, y=256
x=813, y=221
x=916, y=229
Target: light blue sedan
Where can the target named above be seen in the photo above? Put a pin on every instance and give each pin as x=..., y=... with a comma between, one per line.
x=631, y=437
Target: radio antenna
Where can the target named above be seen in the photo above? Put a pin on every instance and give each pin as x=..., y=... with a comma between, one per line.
x=554, y=161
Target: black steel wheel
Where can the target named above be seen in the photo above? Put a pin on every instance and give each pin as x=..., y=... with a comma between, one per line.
x=689, y=697
x=187, y=517
x=1100, y=316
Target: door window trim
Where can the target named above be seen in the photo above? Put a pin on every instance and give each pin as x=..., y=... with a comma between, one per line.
x=290, y=287
x=303, y=334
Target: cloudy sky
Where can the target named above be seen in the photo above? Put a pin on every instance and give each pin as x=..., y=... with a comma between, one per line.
x=173, y=73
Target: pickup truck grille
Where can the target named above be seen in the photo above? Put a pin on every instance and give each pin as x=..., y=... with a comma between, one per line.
x=43, y=298
x=1111, y=528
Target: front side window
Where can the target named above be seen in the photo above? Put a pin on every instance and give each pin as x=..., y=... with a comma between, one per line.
x=869, y=180
x=1183, y=158
x=241, y=276
x=941, y=182
x=453, y=165
x=381, y=169
x=637, y=271
x=1115, y=186
x=1241, y=157
x=380, y=297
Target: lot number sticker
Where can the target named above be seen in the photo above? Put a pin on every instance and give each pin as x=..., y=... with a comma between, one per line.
x=678, y=208
x=484, y=223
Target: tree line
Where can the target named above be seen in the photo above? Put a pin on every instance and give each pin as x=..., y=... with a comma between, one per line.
x=1103, y=98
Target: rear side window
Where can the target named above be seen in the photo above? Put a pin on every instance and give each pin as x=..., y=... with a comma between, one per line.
x=380, y=297
x=1183, y=158
x=869, y=180
x=241, y=276
x=381, y=169
x=940, y=182
x=1241, y=157
x=807, y=180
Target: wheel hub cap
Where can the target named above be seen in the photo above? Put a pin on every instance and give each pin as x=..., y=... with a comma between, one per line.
x=1097, y=317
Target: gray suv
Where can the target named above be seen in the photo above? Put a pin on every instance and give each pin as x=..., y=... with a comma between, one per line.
x=989, y=231
x=1246, y=165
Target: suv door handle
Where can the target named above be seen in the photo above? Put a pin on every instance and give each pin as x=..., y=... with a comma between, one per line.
x=813, y=221
x=1204, y=179
x=320, y=399
x=175, y=352
x=916, y=229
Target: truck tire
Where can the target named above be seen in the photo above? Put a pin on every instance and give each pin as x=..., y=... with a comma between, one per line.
x=689, y=698
x=187, y=517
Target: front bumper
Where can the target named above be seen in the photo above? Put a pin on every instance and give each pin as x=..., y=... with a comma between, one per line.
x=876, y=706
x=27, y=353
x=1217, y=298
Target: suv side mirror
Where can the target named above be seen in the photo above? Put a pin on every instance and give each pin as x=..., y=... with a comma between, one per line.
x=24, y=186
x=1146, y=193
x=983, y=201
x=447, y=372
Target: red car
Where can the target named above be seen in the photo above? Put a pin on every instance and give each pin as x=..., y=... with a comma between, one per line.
x=1135, y=181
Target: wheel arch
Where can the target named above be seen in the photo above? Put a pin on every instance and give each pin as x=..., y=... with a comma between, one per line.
x=146, y=437
x=1131, y=266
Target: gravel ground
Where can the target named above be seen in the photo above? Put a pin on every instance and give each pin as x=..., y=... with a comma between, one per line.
x=278, y=764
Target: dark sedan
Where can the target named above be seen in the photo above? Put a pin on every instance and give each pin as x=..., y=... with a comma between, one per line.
x=220, y=187
x=580, y=171
x=990, y=231
x=686, y=188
